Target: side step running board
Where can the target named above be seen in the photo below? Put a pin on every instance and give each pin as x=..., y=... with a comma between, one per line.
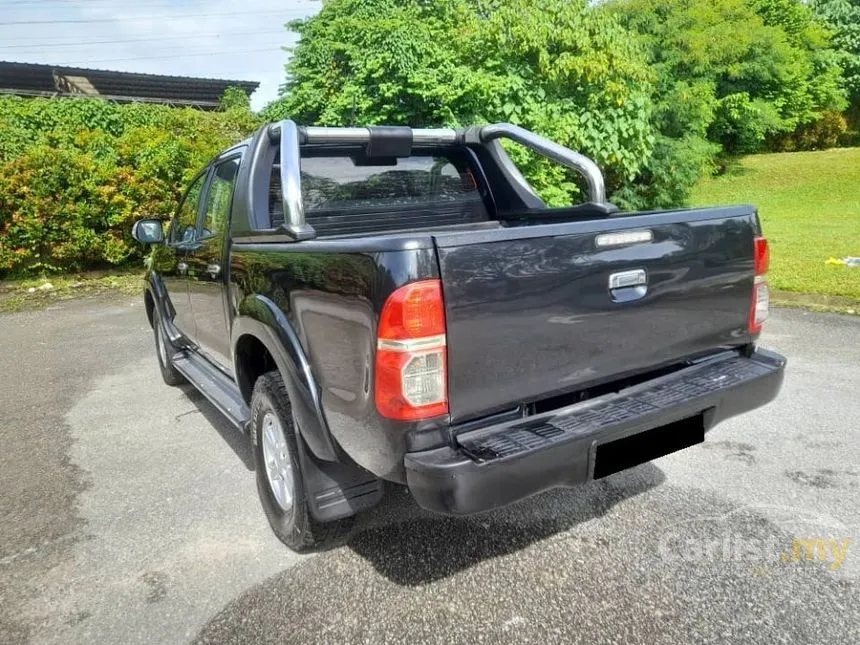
x=215, y=386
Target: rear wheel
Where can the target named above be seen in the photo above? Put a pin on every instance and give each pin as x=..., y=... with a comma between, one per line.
x=279, y=476
x=164, y=350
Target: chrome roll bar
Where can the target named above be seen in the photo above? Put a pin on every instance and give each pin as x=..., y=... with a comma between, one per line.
x=346, y=136
x=290, y=138
x=551, y=150
x=291, y=179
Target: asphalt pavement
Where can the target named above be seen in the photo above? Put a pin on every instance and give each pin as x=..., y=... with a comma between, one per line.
x=128, y=514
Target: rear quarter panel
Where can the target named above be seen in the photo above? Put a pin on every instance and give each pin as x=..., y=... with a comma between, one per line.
x=331, y=293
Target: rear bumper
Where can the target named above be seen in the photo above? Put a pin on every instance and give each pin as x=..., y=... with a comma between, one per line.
x=495, y=466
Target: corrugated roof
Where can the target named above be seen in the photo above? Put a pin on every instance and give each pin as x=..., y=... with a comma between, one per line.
x=30, y=79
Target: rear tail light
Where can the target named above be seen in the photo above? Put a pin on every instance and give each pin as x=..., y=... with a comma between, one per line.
x=411, y=354
x=760, y=295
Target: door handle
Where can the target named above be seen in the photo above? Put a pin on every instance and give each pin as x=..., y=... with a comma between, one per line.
x=214, y=270
x=182, y=267
x=628, y=285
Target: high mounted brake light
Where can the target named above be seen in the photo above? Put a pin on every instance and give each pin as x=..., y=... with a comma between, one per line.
x=411, y=354
x=760, y=295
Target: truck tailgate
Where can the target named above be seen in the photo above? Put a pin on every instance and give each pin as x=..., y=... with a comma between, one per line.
x=536, y=311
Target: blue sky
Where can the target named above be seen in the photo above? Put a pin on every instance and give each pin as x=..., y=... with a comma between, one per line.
x=211, y=38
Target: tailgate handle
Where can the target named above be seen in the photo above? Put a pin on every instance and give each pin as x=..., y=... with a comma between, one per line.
x=628, y=285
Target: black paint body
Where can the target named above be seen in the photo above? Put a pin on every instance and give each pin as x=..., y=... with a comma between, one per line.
x=531, y=320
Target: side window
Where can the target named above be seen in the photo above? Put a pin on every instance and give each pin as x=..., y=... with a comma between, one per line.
x=216, y=215
x=184, y=227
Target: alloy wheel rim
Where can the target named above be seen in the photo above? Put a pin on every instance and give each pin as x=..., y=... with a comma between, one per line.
x=279, y=465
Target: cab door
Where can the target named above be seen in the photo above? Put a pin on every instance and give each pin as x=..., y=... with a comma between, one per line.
x=172, y=263
x=207, y=265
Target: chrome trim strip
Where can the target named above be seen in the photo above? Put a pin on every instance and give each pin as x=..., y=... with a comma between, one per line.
x=413, y=344
x=551, y=150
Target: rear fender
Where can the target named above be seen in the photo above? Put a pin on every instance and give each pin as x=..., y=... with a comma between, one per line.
x=263, y=319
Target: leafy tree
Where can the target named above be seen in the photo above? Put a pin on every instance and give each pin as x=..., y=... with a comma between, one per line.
x=732, y=76
x=737, y=71
x=563, y=68
x=843, y=17
x=233, y=98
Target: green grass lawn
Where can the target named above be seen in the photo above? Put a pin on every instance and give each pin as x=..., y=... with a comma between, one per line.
x=809, y=204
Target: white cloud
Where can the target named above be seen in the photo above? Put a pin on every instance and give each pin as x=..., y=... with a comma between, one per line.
x=179, y=37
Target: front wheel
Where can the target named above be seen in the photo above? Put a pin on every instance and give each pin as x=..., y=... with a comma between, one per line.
x=279, y=477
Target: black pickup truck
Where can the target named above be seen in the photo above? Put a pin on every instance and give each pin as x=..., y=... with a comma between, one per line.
x=396, y=304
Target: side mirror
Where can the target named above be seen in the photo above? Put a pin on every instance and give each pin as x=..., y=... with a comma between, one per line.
x=148, y=231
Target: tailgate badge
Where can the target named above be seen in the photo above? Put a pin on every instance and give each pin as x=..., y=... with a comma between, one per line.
x=623, y=237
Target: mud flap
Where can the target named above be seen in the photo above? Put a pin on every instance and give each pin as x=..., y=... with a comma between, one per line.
x=336, y=490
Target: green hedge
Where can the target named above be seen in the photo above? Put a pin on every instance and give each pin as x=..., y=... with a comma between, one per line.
x=76, y=173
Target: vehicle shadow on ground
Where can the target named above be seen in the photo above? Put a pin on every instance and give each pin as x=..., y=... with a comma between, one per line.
x=410, y=546
x=369, y=584
x=231, y=435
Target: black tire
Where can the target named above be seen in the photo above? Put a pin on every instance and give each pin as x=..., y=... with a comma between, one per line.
x=164, y=350
x=294, y=526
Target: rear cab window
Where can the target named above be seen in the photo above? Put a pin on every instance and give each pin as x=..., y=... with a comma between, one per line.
x=347, y=193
